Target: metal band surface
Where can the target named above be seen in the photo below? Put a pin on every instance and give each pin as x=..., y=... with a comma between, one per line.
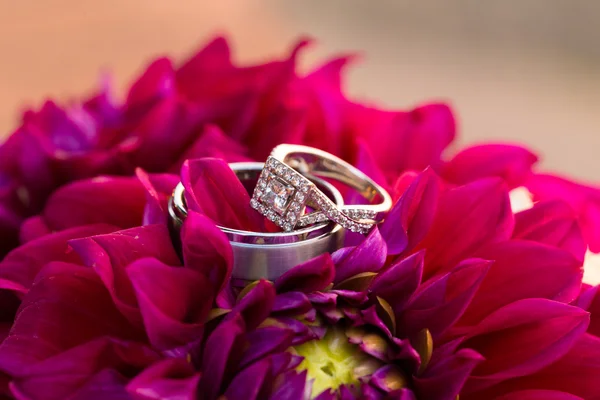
x=283, y=189
x=260, y=255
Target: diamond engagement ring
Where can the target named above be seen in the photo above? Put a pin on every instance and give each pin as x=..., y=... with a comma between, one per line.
x=264, y=255
x=284, y=192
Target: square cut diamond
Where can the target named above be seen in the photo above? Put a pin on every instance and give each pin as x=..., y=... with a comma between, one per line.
x=277, y=194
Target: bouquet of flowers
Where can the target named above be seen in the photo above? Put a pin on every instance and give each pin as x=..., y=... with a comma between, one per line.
x=455, y=293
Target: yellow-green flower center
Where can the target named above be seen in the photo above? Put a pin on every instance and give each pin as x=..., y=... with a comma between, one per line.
x=333, y=361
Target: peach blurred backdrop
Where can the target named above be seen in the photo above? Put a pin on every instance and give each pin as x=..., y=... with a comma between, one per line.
x=516, y=70
x=524, y=70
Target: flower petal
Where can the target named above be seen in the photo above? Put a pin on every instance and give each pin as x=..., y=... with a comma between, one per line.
x=368, y=256
x=311, y=276
x=158, y=189
x=474, y=215
x=516, y=265
x=167, y=379
x=294, y=386
x=443, y=380
x=264, y=341
x=538, y=395
x=554, y=223
x=512, y=163
x=206, y=249
x=256, y=305
x=61, y=311
x=110, y=254
x=113, y=200
x=223, y=351
x=413, y=140
x=174, y=302
x=21, y=265
x=399, y=282
x=248, y=383
x=522, y=338
x=584, y=199
x=410, y=218
x=58, y=377
x=213, y=189
x=439, y=304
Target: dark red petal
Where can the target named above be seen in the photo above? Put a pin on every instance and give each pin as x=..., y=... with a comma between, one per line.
x=292, y=387
x=20, y=266
x=522, y=338
x=213, y=189
x=439, y=304
x=110, y=254
x=106, y=384
x=158, y=189
x=213, y=143
x=554, y=223
x=410, y=218
x=538, y=395
x=590, y=301
x=311, y=276
x=512, y=163
x=156, y=82
x=413, y=140
x=33, y=228
x=443, y=380
x=223, y=351
x=67, y=306
x=249, y=382
x=522, y=270
x=206, y=249
x=398, y=283
x=264, y=341
x=368, y=256
x=474, y=215
x=174, y=301
x=113, y=200
x=256, y=305
x=584, y=199
x=168, y=379
x=58, y=377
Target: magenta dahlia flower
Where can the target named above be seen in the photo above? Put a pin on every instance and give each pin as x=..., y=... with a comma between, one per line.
x=453, y=296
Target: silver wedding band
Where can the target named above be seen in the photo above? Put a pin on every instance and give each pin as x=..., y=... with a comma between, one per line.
x=264, y=255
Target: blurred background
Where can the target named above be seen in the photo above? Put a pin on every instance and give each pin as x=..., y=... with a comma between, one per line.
x=514, y=70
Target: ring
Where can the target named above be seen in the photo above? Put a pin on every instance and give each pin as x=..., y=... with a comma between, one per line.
x=284, y=191
x=266, y=255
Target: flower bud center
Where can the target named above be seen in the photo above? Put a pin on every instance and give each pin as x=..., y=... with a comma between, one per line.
x=332, y=361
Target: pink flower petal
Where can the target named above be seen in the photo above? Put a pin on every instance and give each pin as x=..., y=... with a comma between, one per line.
x=256, y=305
x=474, y=216
x=551, y=222
x=62, y=310
x=206, y=249
x=410, y=218
x=158, y=189
x=213, y=189
x=222, y=352
x=413, y=140
x=538, y=395
x=116, y=201
x=443, y=380
x=512, y=163
x=311, y=276
x=369, y=256
x=522, y=338
x=58, y=377
x=110, y=254
x=248, y=383
x=440, y=303
x=584, y=199
x=399, y=282
x=167, y=379
x=33, y=228
x=21, y=265
x=523, y=270
x=156, y=82
x=174, y=302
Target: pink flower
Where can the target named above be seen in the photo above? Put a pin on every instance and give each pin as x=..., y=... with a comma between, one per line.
x=452, y=295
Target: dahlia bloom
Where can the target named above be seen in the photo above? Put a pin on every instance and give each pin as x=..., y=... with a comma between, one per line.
x=454, y=294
